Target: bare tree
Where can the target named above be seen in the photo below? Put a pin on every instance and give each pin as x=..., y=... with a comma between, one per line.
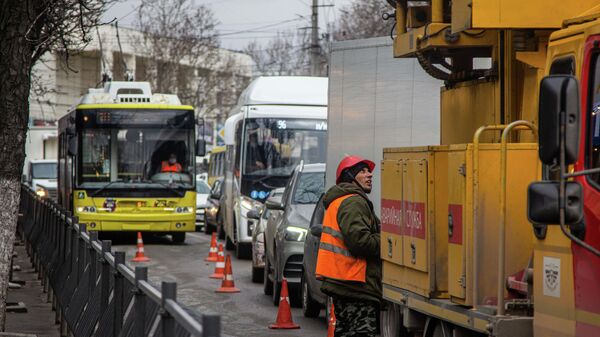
x=29, y=29
x=286, y=54
x=181, y=43
x=362, y=19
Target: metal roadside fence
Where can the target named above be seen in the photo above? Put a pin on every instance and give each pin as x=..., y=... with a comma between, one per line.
x=93, y=291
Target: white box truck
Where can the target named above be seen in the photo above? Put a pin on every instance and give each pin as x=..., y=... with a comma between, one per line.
x=376, y=101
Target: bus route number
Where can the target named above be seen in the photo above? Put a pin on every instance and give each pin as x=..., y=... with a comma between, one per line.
x=281, y=124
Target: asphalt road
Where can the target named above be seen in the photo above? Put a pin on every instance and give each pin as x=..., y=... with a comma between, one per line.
x=247, y=313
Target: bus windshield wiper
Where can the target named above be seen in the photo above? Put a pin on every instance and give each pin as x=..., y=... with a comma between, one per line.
x=105, y=187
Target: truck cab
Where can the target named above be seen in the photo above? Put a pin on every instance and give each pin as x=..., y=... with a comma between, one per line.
x=41, y=177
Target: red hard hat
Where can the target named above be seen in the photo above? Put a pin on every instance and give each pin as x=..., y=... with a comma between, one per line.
x=350, y=161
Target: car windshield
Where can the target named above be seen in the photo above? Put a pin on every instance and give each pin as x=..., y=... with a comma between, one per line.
x=275, y=146
x=43, y=170
x=148, y=156
x=202, y=187
x=309, y=188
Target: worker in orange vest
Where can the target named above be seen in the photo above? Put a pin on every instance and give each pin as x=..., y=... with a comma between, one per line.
x=171, y=165
x=348, y=260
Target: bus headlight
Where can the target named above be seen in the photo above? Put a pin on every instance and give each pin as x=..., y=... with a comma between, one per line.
x=41, y=192
x=212, y=211
x=295, y=233
x=247, y=204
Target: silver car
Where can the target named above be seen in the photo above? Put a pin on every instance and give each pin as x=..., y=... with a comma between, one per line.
x=260, y=217
x=287, y=227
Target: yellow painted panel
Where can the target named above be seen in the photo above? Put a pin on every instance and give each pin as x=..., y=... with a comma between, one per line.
x=438, y=179
x=456, y=249
x=467, y=107
x=512, y=14
x=414, y=224
x=391, y=211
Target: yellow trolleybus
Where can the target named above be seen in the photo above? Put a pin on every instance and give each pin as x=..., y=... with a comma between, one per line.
x=126, y=161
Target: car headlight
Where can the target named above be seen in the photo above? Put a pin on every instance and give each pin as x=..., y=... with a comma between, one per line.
x=42, y=192
x=247, y=204
x=212, y=211
x=295, y=233
x=86, y=209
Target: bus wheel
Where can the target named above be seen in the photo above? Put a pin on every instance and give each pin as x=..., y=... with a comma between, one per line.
x=178, y=237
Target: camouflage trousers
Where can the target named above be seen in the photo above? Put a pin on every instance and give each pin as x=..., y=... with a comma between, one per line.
x=355, y=318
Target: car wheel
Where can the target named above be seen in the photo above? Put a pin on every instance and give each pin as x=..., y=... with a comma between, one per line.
x=243, y=251
x=276, y=291
x=208, y=229
x=310, y=308
x=257, y=274
x=229, y=245
x=267, y=284
x=220, y=230
x=178, y=237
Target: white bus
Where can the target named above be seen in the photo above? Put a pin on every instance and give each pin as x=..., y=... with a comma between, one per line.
x=278, y=122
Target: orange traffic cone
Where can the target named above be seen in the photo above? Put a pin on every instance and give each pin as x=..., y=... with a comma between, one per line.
x=139, y=255
x=220, y=265
x=331, y=324
x=212, y=253
x=284, y=315
x=227, y=286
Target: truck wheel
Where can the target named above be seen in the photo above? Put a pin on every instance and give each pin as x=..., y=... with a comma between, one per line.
x=437, y=328
x=267, y=284
x=178, y=237
x=391, y=322
x=310, y=307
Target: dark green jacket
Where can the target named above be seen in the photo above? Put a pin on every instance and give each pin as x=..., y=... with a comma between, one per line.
x=360, y=228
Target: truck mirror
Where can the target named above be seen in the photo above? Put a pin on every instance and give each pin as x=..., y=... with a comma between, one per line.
x=543, y=206
x=72, y=148
x=558, y=94
x=253, y=214
x=200, y=148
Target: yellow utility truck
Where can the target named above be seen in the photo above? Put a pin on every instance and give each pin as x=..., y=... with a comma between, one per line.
x=471, y=244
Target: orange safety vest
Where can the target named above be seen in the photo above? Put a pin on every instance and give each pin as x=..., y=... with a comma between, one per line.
x=334, y=260
x=166, y=167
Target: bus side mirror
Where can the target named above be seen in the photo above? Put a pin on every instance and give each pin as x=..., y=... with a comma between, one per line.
x=559, y=98
x=543, y=207
x=200, y=148
x=72, y=148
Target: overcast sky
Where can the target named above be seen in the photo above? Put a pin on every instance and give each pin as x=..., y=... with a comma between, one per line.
x=243, y=21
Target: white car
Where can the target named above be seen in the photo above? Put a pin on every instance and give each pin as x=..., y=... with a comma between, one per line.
x=202, y=194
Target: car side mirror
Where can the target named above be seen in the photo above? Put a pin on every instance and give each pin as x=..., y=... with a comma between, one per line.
x=253, y=214
x=200, y=148
x=274, y=205
x=72, y=146
x=543, y=203
x=559, y=103
x=317, y=230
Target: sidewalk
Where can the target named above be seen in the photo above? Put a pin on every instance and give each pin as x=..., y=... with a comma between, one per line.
x=39, y=318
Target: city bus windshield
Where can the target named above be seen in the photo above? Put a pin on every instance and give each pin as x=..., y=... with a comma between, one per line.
x=146, y=156
x=275, y=146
